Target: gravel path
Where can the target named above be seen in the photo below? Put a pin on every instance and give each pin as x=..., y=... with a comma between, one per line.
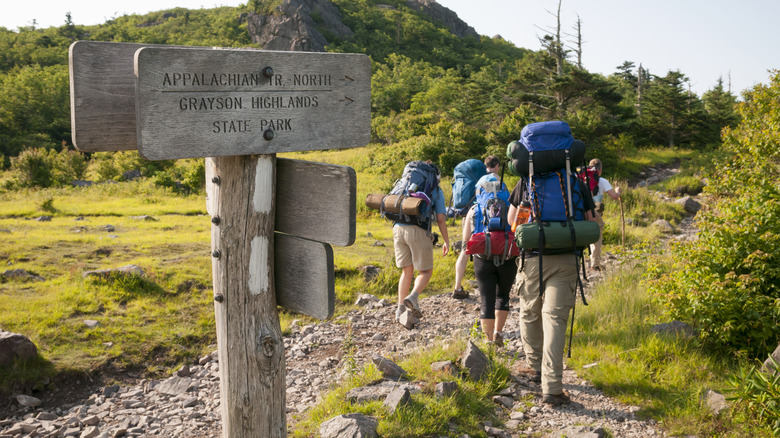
x=187, y=404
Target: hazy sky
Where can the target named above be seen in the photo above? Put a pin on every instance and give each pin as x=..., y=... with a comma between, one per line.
x=705, y=40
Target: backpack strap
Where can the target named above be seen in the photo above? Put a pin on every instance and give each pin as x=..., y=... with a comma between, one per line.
x=532, y=188
x=570, y=203
x=506, y=248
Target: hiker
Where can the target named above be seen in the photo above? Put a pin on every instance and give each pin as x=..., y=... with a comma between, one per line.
x=544, y=315
x=495, y=273
x=493, y=165
x=603, y=187
x=560, y=223
x=413, y=244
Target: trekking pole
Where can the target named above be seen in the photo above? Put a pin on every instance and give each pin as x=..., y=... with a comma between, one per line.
x=571, y=332
x=622, y=222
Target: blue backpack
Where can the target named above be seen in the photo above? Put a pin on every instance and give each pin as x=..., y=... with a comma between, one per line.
x=492, y=235
x=464, y=183
x=543, y=147
x=555, y=193
x=419, y=179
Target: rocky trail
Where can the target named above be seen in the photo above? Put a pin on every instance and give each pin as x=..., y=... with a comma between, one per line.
x=187, y=403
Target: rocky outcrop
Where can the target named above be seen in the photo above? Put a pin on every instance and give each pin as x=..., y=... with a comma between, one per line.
x=292, y=26
x=306, y=25
x=439, y=13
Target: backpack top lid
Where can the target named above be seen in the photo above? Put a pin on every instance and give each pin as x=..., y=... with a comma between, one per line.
x=549, y=142
x=488, y=183
x=417, y=176
x=546, y=136
x=464, y=182
x=471, y=169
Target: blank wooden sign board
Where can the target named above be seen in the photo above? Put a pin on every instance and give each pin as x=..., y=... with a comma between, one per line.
x=102, y=95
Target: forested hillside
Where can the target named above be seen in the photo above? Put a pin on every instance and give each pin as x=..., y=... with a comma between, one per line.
x=435, y=95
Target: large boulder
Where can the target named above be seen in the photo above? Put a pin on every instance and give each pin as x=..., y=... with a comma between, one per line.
x=447, y=17
x=690, y=205
x=769, y=366
x=14, y=346
x=475, y=362
x=349, y=426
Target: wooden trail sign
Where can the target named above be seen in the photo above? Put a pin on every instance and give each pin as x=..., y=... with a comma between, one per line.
x=103, y=97
x=303, y=269
x=208, y=103
x=315, y=201
x=254, y=268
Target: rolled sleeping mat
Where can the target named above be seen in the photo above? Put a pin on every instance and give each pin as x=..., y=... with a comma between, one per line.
x=407, y=205
x=557, y=235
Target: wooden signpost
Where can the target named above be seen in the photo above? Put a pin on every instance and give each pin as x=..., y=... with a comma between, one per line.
x=272, y=220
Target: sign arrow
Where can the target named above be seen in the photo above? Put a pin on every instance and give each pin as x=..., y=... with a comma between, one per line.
x=346, y=99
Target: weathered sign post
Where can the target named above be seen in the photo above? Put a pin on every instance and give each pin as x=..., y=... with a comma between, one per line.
x=238, y=108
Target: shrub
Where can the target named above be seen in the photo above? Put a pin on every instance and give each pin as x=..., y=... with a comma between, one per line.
x=69, y=165
x=103, y=168
x=42, y=167
x=33, y=167
x=186, y=176
x=727, y=283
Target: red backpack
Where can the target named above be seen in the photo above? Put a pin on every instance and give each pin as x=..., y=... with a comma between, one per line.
x=590, y=176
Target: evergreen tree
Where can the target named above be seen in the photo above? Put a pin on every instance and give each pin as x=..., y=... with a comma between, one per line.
x=666, y=109
x=719, y=106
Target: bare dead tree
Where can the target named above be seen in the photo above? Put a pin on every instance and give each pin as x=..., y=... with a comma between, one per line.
x=552, y=42
x=640, y=82
x=729, y=81
x=559, y=52
x=577, y=49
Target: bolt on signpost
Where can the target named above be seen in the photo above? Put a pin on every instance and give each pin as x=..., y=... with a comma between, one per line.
x=273, y=220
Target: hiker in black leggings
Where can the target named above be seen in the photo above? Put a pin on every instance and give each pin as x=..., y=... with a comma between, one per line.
x=495, y=283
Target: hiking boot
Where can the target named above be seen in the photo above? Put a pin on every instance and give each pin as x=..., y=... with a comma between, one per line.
x=498, y=339
x=398, y=313
x=411, y=303
x=556, y=399
x=460, y=294
x=529, y=373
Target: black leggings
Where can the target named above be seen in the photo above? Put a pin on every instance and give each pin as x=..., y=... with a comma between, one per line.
x=495, y=283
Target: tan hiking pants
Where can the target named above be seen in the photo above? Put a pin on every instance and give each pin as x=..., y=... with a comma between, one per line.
x=543, y=318
x=595, y=249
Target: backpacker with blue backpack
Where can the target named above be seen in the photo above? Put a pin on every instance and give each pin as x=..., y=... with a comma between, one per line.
x=543, y=157
x=556, y=194
x=418, y=180
x=492, y=236
x=464, y=184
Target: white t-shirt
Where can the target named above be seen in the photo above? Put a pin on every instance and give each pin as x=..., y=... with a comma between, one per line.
x=604, y=187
